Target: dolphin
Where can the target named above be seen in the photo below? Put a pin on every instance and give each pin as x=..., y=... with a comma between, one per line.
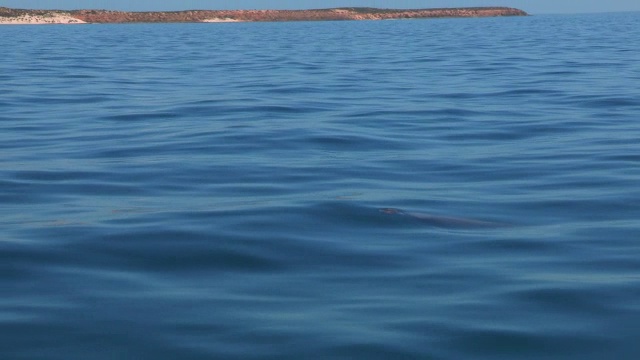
x=443, y=221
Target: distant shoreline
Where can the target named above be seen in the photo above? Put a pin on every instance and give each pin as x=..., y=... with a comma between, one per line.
x=27, y=16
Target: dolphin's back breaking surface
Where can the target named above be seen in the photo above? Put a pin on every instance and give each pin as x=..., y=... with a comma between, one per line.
x=443, y=221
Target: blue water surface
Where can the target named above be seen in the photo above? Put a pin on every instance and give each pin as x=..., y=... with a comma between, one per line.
x=216, y=191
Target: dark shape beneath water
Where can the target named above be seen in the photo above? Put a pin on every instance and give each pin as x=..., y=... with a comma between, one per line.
x=443, y=221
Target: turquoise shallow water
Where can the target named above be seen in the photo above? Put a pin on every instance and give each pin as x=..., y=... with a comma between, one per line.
x=199, y=191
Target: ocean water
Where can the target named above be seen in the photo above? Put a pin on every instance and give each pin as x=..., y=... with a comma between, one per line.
x=222, y=191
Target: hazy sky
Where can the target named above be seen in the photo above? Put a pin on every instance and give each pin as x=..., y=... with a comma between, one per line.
x=531, y=6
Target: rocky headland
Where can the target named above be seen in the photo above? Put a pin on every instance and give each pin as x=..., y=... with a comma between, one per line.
x=24, y=16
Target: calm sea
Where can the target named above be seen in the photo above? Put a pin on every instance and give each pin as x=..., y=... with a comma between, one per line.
x=220, y=191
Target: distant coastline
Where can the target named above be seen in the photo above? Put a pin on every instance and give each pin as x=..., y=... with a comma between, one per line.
x=26, y=16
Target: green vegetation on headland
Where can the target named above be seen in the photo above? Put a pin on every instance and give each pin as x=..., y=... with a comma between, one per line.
x=347, y=13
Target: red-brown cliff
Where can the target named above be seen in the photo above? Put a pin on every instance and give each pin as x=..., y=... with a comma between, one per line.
x=352, y=13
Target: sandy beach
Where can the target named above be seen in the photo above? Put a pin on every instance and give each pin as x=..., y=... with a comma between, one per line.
x=40, y=19
x=216, y=20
